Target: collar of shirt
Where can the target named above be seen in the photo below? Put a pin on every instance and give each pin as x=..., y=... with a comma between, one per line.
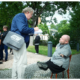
x=62, y=45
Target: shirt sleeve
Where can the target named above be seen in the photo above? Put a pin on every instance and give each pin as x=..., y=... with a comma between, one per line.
x=23, y=25
x=66, y=51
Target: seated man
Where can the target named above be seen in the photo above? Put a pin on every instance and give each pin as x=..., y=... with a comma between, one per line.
x=60, y=59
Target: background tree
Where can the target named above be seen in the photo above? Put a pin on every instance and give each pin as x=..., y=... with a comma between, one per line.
x=52, y=26
x=75, y=23
x=42, y=9
x=8, y=11
x=75, y=26
x=44, y=28
x=63, y=28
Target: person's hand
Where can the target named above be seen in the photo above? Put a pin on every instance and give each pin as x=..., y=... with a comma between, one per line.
x=36, y=28
x=0, y=41
x=55, y=47
x=61, y=55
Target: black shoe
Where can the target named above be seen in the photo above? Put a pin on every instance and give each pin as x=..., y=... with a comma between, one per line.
x=42, y=65
x=1, y=62
x=6, y=60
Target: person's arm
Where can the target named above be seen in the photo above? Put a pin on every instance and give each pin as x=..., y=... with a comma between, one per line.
x=0, y=41
x=23, y=26
x=61, y=55
x=4, y=34
x=65, y=52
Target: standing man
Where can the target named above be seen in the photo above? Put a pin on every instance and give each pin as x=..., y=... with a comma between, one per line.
x=5, y=31
x=60, y=59
x=1, y=50
x=36, y=43
x=20, y=26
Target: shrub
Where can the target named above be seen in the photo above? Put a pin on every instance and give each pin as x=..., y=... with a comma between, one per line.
x=43, y=42
x=55, y=39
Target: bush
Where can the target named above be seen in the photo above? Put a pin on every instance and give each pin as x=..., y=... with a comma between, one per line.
x=55, y=39
x=73, y=44
x=43, y=42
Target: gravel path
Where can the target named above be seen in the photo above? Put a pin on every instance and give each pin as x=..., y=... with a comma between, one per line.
x=33, y=72
x=31, y=59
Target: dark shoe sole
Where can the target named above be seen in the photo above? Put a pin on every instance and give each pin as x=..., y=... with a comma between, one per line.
x=43, y=65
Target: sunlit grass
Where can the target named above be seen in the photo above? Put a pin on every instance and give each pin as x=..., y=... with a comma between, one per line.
x=43, y=50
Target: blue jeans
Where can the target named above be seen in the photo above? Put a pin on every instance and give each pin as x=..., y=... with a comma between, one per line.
x=6, y=52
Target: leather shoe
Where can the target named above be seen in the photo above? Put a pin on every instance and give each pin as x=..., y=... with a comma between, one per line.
x=42, y=65
x=1, y=62
x=5, y=60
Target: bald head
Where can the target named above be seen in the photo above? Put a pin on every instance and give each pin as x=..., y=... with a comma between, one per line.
x=64, y=39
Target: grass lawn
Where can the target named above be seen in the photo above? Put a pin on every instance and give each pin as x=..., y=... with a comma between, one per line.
x=43, y=50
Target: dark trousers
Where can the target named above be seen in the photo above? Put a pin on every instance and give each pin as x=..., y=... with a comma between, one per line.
x=6, y=52
x=1, y=52
x=54, y=68
x=37, y=48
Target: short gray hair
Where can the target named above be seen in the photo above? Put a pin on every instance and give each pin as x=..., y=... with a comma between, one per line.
x=27, y=9
x=5, y=26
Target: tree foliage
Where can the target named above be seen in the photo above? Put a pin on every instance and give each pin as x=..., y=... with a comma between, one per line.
x=75, y=23
x=9, y=9
x=63, y=26
x=52, y=26
x=44, y=28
